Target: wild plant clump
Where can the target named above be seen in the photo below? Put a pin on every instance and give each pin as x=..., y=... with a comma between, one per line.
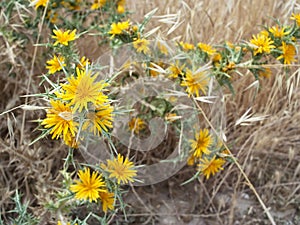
x=138, y=110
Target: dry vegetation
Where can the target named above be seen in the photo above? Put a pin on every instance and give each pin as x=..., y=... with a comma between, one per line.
x=267, y=150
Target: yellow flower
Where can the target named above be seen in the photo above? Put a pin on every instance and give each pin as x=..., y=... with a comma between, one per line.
x=100, y=120
x=202, y=142
x=230, y=66
x=83, y=63
x=195, y=82
x=288, y=53
x=121, y=6
x=206, y=48
x=296, y=17
x=108, y=200
x=264, y=33
x=118, y=28
x=55, y=64
x=60, y=120
x=210, y=167
x=262, y=44
x=265, y=72
x=59, y=223
x=186, y=46
x=122, y=170
x=38, y=3
x=278, y=32
x=89, y=186
x=141, y=45
x=83, y=89
x=216, y=57
x=136, y=125
x=98, y=4
x=191, y=160
x=71, y=141
x=175, y=70
x=64, y=37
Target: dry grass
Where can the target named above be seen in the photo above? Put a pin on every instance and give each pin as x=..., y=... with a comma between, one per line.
x=268, y=151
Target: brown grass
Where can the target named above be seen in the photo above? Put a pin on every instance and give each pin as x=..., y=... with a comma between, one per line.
x=268, y=151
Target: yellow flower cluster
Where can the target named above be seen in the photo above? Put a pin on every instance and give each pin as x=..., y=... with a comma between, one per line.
x=93, y=187
x=277, y=39
x=82, y=95
x=208, y=163
x=277, y=42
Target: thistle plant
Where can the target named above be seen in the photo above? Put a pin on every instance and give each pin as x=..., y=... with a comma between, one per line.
x=171, y=88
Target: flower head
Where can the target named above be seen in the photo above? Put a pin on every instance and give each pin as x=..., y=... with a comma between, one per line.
x=107, y=200
x=288, y=53
x=195, y=82
x=175, y=70
x=121, y=6
x=210, y=167
x=191, y=160
x=136, y=125
x=71, y=141
x=296, y=17
x=64, y=37
x=217, y=57
x=99, y=120
x=141, y=45
x=278, y=32
x=60, y=120
x=206, y=48
x=82, y=90
x=38, y=3
x=98, y=4
x=264, y=33
x=83, y=63
x=202, y=142
x=118, y=28
x=56, y=64
x=122, y=170
x=262, y=44
x=186, y=46
x=89, y=186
